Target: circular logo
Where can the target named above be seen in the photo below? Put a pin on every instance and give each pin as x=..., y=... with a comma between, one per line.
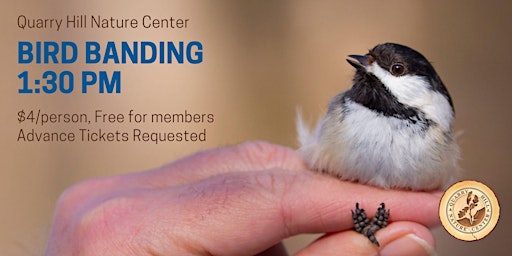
x=469, y=210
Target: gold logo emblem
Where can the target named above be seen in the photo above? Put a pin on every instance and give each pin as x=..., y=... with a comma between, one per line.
x=469, y=210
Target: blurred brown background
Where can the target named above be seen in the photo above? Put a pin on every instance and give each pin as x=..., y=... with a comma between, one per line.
x=262, y=59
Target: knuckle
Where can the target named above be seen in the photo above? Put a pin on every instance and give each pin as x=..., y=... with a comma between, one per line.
x=75, y=195
x=84, y=196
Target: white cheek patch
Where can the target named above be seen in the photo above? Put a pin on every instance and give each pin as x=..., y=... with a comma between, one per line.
x=408, y=89
x=415, y=91
x=439, y=110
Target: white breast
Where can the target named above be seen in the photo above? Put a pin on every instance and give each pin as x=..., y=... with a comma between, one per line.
x=368, y=147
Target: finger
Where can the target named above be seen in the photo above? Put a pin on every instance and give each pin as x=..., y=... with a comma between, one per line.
x=399, y=238
x=406, y=238
x=319, y=199
x=276, y=204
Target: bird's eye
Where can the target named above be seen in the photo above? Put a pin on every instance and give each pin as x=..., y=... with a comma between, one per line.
x=397, y=69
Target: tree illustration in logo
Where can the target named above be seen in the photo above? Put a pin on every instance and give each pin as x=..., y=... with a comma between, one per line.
x=467, y=216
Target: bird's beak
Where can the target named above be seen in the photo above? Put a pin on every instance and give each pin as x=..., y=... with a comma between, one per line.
x=362, y=61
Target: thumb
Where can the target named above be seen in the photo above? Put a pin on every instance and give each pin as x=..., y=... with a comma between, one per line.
x=399, y=238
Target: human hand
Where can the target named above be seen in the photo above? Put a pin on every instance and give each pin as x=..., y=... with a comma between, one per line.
x=239, y=200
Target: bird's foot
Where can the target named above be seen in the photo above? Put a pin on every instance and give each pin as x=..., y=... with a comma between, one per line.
x=363, y=225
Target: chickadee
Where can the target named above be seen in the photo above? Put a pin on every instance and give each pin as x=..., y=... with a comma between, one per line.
x=392, y=129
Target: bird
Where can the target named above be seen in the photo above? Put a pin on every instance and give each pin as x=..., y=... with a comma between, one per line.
x=392, y=129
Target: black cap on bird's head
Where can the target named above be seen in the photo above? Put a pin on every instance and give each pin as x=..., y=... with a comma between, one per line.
x=396, y=58
x=399, y=60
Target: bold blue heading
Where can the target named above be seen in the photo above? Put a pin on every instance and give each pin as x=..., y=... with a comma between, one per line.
x=143, y=52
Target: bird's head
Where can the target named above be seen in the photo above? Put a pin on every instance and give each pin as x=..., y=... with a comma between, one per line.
x=392, y=78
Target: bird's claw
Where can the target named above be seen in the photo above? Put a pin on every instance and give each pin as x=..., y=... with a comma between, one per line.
x=363, y=225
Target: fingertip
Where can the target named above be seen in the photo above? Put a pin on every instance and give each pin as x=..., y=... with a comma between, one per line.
x=406, y=238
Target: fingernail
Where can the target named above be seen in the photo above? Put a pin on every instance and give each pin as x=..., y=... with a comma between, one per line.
x=409, y=244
